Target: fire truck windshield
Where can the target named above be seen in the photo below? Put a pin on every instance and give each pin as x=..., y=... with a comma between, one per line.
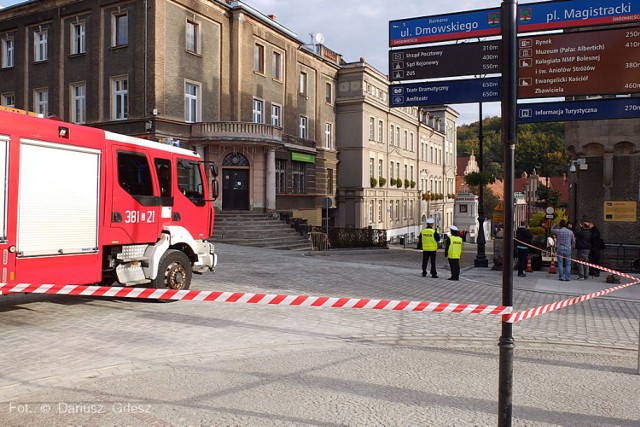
x=190, y=181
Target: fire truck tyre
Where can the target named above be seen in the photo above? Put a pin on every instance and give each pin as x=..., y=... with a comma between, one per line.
x=174, y=271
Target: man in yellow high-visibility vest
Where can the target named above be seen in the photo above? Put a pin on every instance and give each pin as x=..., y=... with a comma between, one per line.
x=429, y=241
x=453, y=251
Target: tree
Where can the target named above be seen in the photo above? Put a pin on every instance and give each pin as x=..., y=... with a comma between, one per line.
x=547, y=196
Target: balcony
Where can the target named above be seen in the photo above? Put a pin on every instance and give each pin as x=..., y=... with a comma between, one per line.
x=237, y=130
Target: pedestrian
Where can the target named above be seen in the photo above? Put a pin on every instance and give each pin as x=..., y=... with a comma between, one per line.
x=595, y=256
x=429, y=241
x=565, y=240
x=584, y=243
x=523, y=239
x=453, y=251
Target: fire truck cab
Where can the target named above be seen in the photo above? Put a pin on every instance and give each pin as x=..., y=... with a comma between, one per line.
x=85, y=206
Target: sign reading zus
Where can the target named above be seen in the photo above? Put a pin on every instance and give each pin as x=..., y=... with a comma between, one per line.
x=601, y=109
x=445, y=92
x=549, y=15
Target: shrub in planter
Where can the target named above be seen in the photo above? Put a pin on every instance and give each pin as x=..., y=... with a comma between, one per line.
x=399, y=183
x=381, y=181
x=407, y=183
x=374, y=182
x=413, y=184
x=393, y=181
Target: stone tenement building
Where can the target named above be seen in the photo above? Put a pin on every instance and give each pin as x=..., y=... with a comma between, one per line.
x=238, y=87
x=606, y=168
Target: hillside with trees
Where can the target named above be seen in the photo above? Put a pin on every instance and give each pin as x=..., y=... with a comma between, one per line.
x=540, y=146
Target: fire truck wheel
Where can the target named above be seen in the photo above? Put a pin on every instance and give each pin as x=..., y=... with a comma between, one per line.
x=174, y=271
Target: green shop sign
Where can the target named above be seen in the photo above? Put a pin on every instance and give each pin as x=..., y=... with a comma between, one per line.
x=301, y=157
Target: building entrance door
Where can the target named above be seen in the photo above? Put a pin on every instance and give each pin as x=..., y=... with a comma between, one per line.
x=235, y=189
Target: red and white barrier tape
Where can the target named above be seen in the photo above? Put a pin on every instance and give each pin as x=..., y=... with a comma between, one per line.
x=250, y=298
x=534, y=312
x=596, y=266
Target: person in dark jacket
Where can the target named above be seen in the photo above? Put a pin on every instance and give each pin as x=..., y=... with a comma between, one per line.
x=584, y=243
x=523, y=237
x=595, y=256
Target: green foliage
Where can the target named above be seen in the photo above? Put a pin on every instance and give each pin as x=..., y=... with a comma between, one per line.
x=374, y=182
x=413, y=184
x=407, y=183
x=539, y=144
x=382, y=181
x=399, y=183
x=475, y=179
x=393, y=182
x=547, y=196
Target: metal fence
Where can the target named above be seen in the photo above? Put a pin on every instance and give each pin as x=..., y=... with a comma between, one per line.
x=622, y=256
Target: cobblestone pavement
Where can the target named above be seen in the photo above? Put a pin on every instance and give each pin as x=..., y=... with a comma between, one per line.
x=81, y=361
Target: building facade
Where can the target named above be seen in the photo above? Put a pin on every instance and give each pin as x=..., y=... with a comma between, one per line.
x=396, y=165
x=214, y=76
x=605, y=169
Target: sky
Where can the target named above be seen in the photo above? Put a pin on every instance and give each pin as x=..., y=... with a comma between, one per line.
x=357, y=28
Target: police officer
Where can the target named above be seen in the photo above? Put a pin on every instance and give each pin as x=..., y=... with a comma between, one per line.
x=453, y=251
x=429, y=239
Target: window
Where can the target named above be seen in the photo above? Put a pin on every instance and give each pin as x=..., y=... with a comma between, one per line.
x=379, y=210
x=297, y=172
x=8, y=52
x=372, y=169
x=398, y=136
x=190, y=181
x=380, y=168
x=163, y=169
x=371, y=211
x=411, y=142
x=258, y=54
x=275, y=115
x=328, y=135
x=411, y=209
x=41, y=101
x=404, y=208
x=78, y=97
x=406, y=139
x=406, y=175
x=191, y=102
x=134, y=175
x=119, y=99
x=277, y=66
x=303, y=127
x=329, y=181
x=391, y=210
x=8, y=99
x=192, y=35
x=411, y=176
x=78, y=38
x=380, y=130
x=398, y=170
x=328, y=89
x=372, y=129
x=258, y=110
x=390, y=170
x=397, y=210
x=302, y=85
x=119, y=29
x=281, y=176
x=391, y=134
x=40, y=45
x=463, y=208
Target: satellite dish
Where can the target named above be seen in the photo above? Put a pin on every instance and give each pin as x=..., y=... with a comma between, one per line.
x=320, y=38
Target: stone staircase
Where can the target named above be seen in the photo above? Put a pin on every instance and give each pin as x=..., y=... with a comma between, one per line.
x=256, y=229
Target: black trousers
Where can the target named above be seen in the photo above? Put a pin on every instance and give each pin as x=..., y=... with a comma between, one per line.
x=523, y=254
x=454, y=265
x=426, y=256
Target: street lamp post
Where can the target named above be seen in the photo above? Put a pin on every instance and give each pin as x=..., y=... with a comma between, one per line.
x=481, y=257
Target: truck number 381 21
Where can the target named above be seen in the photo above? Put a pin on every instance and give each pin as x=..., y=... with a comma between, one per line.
x=134, y=217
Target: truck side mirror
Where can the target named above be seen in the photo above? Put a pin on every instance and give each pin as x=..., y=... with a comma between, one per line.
x=214, y=170
x=214, y=189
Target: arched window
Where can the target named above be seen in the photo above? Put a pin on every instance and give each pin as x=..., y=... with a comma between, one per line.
x=235, y=159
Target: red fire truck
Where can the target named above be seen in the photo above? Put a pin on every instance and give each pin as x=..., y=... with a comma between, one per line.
x=81, y=205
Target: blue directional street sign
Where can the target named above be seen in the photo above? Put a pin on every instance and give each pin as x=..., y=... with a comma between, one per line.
x=445, y=92
x=550, y=15
x=600, y=109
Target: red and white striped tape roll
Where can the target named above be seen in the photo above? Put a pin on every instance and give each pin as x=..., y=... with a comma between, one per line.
x=250, y=298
